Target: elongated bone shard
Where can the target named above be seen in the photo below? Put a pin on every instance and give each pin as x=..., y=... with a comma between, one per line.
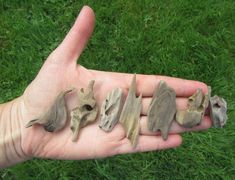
x=110, y=110
x=162, y=109
x=130, y=114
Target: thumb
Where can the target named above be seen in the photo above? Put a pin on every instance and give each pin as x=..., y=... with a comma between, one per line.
x=76, y=39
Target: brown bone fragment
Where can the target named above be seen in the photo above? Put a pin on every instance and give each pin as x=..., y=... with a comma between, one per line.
x=197, y=105
x=110, y=110
x=218, y=111
x=162, y=109
x=86, y=110
x=130, y=114
x=55, y=118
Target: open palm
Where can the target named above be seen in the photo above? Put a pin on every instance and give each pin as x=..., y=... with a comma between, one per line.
x=61, y=72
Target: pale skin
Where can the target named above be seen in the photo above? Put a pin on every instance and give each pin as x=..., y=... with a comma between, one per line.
x=62, y=72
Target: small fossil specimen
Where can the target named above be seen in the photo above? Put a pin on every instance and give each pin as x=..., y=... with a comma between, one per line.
x=197, y=105
x=55, y=118
x=130, y=114
x=206, y=101
x=86, y=110
x=110, y=110
x=162, y=109
x=218, y=111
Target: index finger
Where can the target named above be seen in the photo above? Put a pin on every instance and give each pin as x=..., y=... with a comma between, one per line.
x=146, y=84
x=183, y=88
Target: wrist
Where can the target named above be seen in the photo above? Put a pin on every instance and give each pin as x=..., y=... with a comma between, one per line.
x=10, y=134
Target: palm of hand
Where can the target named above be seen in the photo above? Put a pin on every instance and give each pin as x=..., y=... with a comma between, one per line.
x=61, y=72
x=53, y=144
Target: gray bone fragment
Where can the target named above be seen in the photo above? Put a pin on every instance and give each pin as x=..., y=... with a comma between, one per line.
x=86, y=110
x=55, y=117
x=130, y=114
x=110, y=110
x=162, y=109
x=218, y=111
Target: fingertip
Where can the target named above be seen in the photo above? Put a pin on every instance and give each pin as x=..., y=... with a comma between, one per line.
x=88, y=14
x=207, y=123
x=88, y=8
x=202, y=86
x=189, y=87
x=76, y=39
x=176, y=140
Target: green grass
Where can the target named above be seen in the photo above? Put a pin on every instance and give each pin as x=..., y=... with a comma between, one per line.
x=187, y=39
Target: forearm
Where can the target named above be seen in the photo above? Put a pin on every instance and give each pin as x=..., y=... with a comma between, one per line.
x=10, y=134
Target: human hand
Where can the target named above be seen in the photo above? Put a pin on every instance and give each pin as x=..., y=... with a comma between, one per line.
x=61, y=72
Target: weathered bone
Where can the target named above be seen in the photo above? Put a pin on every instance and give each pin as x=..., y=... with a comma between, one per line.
x=218, y=111
x=110, y=110
x=130, y=114
x=55, y=117
x=206, y=101
x=86, y=110
x=197, y=105
x=162, y=109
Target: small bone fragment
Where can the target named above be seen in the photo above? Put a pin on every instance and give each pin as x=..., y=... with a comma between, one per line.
x=188, y=118
x=55, y=118
x=193, y=115
x=130, y=114
x=162, y=109
x=218, y=111
x=110, y=110
x=197, y=105
x=86, y=110
x=206, y=101
x=195, y=101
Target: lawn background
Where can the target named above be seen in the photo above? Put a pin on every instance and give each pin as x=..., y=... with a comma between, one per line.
x=186, y=39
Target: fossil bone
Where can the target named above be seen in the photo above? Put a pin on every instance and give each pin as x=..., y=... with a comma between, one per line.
x=197, y=105
x=110, y=110
x=86, y=110
x=218, y=111
x=206, y=101
x=55, y=118
x=162, y=109
x=130, y=114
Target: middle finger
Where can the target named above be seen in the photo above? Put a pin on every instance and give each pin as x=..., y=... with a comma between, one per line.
x=181, y=103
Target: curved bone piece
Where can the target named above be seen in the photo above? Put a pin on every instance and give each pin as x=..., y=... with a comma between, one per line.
x=130, y=114
x=86, y=110
x=197, y=105
x=55, y=118
x=110, y=110
x=162, y=109
x=218, y=111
